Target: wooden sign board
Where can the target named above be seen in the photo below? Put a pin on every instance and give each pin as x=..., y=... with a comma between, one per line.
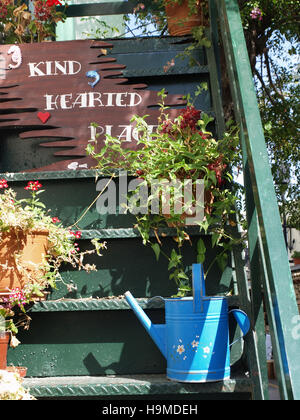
x=55, y=90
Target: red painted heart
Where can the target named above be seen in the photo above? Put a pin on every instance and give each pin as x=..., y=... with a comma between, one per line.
x=44, y=116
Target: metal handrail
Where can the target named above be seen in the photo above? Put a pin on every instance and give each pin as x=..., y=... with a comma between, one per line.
x=265, y=231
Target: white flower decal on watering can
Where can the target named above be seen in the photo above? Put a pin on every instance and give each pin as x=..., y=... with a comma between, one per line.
x=180, y=349
x=195, y=344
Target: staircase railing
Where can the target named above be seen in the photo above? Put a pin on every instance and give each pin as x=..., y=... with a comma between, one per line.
x=270, y=270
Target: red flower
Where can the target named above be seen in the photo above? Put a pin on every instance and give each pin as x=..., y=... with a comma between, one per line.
x=3, y=11
x=77, y=234
x=191, y=116
x=33, y=186
x=218, y=167
x=51, y=3
x=55, y=220
x=3, y=184
x=42, y=10
x=167, y=127
x=203, y=136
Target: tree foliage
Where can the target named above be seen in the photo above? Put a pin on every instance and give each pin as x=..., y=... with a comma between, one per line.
x=272, y=32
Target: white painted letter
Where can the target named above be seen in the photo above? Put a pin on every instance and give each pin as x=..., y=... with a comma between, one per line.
x=63, y=101
x=62, y=69
x=50, y=104
x=34, y=70
x=81, y=100
x=132, y=99
x=119, y=100
x=94, y=97
x=71, y=67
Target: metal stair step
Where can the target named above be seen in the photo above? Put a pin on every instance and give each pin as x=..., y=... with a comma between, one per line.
x=104, y=304
x=129, y=385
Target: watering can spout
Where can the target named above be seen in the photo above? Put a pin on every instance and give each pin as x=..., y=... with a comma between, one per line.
x=157, y=332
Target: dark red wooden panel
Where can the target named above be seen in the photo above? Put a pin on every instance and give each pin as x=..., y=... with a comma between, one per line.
x=45, y=92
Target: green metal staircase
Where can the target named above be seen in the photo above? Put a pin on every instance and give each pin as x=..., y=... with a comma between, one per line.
x=85, y=342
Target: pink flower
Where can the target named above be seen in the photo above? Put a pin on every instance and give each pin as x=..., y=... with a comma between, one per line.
x=33, y=186
x=3, y=184
x=77, y=234
x=139, y=7
x=256, y=13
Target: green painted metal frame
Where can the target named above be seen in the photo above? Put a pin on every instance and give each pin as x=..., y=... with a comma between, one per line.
x=104, y=9
x=104, y=304
x=255, y=350
x=266, y=242
x=269, y=261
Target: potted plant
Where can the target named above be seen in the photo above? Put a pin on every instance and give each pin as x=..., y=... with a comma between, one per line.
x=184, y=15
x=8, y=328
x=33, y=247
x=181, y=152
x=19, y=25
x=180, y=17
x=296, y=257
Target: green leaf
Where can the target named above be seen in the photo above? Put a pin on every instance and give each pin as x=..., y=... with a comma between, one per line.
x=39, y=204
x=201, y=251
x=201, y=248
x=182, y=275
x=268, y=126
x=174, y=259
x=215, y=239
x=156, y=249
x=222, y=261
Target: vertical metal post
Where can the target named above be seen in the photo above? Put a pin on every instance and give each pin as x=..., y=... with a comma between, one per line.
x=278, y=285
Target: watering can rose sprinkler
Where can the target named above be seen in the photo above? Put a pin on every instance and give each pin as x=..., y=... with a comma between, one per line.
x=195, y=338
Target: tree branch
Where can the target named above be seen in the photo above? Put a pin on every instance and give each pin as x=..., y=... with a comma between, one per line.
x=268, y=67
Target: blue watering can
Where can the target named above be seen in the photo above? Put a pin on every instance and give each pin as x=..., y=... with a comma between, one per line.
x=195, y=338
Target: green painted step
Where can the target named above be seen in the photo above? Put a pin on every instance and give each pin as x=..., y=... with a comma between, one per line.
x=103, y=387
x=116, y=271
x=103, y=304
x=93, y=337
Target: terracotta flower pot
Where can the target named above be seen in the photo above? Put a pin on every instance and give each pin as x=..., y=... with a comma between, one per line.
x=32, y=248
x=20, y=370
x=4, y=339
x=296, y=261
x=180, y=22
x=208, y=202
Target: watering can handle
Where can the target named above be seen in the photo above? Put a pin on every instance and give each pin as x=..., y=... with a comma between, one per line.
x=243, y=322
x=198, y=287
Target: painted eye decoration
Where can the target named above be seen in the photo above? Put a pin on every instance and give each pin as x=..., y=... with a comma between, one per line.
x=93, y=74
x=16, y=57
